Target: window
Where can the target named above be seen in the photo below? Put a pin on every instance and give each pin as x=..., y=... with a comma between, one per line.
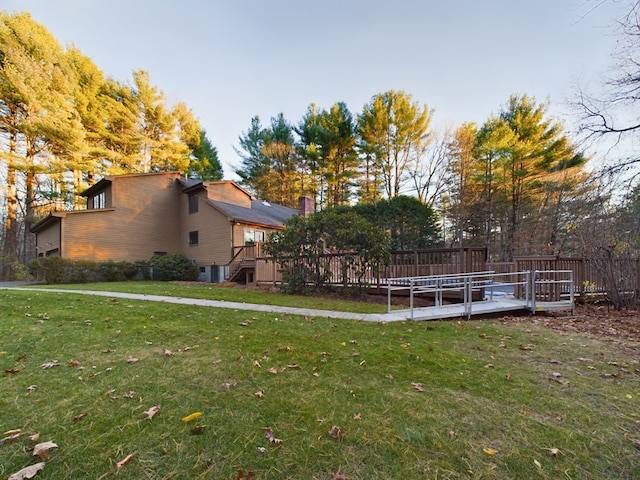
x=252, y=236
x=99, y=200
x=193, y=203
x=193, y=237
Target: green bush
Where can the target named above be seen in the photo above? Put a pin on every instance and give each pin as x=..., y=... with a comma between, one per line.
x=58, y=270
x=173, y=267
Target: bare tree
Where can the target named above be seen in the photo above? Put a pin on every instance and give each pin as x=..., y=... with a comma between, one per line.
x=613, y=114
x=428, y=171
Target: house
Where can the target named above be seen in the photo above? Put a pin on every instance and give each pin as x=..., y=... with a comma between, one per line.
x=218, y=225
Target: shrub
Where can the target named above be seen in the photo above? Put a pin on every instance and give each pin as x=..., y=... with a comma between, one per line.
x=173, y=267
x=57, y=270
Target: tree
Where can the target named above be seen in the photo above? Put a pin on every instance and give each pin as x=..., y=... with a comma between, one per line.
x=327, y=143
x=301, y=249
x=204, y=163
x=255, y=169
x=462, y=198
x=613, y=114
x=510, y=179
x=394, y=132
x=37, y=119
x=540, y=148
x=428, y=172
x=162, y=148
x=270, y=166
x=409, y=223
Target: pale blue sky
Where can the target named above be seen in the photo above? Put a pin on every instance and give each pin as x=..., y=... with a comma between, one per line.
x=229, y=60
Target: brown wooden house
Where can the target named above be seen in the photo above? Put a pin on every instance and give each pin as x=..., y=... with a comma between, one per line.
x=218, y=225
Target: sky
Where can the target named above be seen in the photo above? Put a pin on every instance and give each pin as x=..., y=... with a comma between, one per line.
x=231, y=60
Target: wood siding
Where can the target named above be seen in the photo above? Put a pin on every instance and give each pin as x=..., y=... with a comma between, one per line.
x=214, y=233
x=49, y=239
x=228, y=192
x=144, y=219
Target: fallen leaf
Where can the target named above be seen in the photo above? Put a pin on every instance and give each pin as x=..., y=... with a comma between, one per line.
x=12, y=432
x=148, y=415
x=537, y=464
x=10, y=438
x=42, y=450
x=31, y=388
x=12, y=371
x=336, y=432
x=489, y=451
x=269, y=435
x=552, y=451
x=167, y=352
x=75, y=363
x=242, y=476
x=77, y=418
x=273, y=370
x=124, y=461
x=34, y=438
x=132, y=359
x=259, y=394
x=417, y=386
x=198, y=429
x=192, y=417
x=50, y=364
x=451, y=433
x=27, y=472
x=256, y=363
x=339, y=476
x=357, y=416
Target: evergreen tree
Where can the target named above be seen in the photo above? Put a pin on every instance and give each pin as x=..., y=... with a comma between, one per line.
x=328, y=141
x=394, y=132
x=37, y=117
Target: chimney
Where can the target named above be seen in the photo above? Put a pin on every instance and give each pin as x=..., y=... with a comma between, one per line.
x=305, y=206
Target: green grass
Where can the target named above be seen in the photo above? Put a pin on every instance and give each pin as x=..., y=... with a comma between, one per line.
x=231, y=294
x=485, y=385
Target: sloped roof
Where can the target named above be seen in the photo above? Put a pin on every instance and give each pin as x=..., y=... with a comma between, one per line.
x=261, y=213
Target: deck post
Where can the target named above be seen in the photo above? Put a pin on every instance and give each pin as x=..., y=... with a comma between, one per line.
x=411, y=297
x=532, y=280
x=572, y=293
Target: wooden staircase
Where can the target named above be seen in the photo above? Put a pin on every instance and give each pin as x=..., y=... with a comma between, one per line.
x=242, y=266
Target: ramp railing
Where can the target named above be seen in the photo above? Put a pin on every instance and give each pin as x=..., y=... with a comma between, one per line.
x=485, y=286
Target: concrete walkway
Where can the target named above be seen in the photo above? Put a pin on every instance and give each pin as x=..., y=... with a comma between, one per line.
x=424, y=313
x=395, y=316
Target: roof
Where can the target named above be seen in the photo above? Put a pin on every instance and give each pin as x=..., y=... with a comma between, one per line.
x=261, y=212
x=46, y=221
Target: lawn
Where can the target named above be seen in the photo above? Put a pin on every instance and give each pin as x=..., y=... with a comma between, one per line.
x=375, y=304
x=283, y=396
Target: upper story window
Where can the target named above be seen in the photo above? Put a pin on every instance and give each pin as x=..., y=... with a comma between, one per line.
x=99, y=200
x=252, y=236
x=193, y=237
x=193, y=203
